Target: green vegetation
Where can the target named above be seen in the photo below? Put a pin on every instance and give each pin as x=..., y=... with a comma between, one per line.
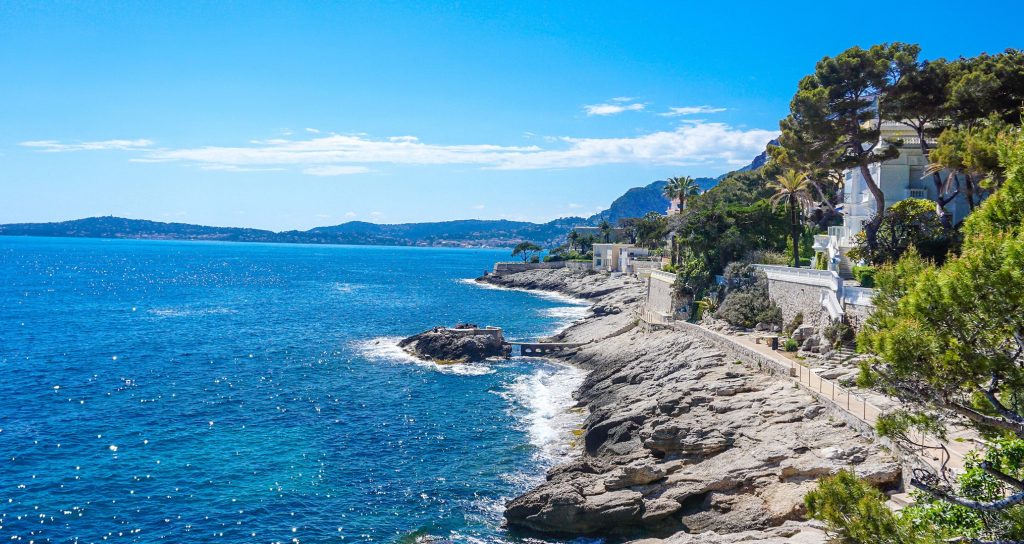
x=528, y=251
x=746, y=301
x=865, y=275
x=855, y=513
x=837, y=333
x=793, y=324
x=971, y=104
x=948, y=340
x=794, y=190
x=911, y=222
x=791, y=345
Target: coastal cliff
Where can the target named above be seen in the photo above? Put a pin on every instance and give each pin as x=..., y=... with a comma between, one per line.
x=681, y=442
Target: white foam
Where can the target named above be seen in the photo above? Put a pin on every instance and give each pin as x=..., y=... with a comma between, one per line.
x=549, y=295
x=385, y=348
x=542, y=403
x=187, y=312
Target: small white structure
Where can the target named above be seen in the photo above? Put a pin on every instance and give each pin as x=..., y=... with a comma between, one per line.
x=617, y=257
x=899, y=179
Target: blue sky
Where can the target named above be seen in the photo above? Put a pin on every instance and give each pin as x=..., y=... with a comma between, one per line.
x=286, y=115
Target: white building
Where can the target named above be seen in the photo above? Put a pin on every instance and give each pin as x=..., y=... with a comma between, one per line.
x=899, y=178
x=617, y=257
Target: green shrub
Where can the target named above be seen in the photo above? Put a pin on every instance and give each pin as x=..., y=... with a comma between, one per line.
x=821, y=261
x=747, y=303
x=791, y=345
x=838, y=333
x=535, y=259
x=794, y=324
x=865, y=275
x=762, y=256
x=855, y=513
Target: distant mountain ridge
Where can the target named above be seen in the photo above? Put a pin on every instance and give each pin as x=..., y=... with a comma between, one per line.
x=636, y=202
x=639, y=201
x=463, y=233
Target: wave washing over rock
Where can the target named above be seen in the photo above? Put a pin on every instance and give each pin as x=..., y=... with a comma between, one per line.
x=681, y=443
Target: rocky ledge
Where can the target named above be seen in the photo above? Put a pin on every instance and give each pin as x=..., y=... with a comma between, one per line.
x=459, y=344
x=683, y=443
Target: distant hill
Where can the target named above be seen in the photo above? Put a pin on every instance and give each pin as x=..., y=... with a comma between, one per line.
x=636, y=202
x=468, y=233
x=639, y=201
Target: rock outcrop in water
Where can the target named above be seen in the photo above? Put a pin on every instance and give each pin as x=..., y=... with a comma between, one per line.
x=682, y=442
x=459, y=344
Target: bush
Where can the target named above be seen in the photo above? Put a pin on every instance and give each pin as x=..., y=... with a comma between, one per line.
x=761, y=256
x=535, y=259
x=838, y=333
x=794, y=324
x=791, y=345
x=747, y=302
x=855, y=513
x=820, y=261
x=865, y=275
x=552, y=258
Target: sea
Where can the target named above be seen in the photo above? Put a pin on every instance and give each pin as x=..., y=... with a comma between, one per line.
x=167, y=391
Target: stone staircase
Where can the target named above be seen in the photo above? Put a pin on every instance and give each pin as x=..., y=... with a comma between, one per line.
x=844, y=268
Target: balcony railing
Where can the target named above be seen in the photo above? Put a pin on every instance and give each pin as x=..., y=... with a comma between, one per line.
x=917, y=193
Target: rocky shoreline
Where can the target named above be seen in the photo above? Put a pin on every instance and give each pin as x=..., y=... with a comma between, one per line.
x=682, y=444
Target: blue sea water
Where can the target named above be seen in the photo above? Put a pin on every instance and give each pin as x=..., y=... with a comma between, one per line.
x=157, y=391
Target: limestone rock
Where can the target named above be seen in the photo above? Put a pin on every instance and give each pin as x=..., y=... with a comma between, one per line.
x=635, y=474
x=460, y=344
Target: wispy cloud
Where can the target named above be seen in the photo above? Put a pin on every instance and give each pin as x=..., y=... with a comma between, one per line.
x=620, y=105
x=690, y=110
x=479, y=207
x=54, y=146
x=691, y=143
x=335, y=170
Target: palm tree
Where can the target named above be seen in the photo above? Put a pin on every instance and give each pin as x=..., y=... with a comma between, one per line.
x=682, y=188
x=573, y=238
x=793, y=189
x=606, y=231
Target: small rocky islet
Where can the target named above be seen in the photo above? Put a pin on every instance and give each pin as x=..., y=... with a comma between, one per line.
x=463, y=343
x=683, y=444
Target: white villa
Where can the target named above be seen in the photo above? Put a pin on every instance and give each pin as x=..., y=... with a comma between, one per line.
x=899, y=178
x=617, y=257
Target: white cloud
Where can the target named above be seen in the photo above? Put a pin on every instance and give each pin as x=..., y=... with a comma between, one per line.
x=335, y=170
x=376, y=214
x=690, y=110
x=312, y=130
x=573, y=205
x=53, y=146
x=479, y=207
x=612, y=109
x=623, y=99
x=350, y=214
x=691, y=143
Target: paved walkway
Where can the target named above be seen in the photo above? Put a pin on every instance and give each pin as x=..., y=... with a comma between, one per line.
x=855, y=403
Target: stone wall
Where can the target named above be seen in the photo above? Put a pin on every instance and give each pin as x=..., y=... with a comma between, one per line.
x=579, y=266
x=793, y=298
x=512, y=267
x=660, y=294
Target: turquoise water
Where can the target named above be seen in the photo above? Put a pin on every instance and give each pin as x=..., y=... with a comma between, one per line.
x=198, y=392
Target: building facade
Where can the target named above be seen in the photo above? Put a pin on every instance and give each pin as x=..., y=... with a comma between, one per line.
x=900, y=178
x=617, y=257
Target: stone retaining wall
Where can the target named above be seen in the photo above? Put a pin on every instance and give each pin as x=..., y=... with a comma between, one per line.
x=513, y=267
x=579, y=266
x=794, y=298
